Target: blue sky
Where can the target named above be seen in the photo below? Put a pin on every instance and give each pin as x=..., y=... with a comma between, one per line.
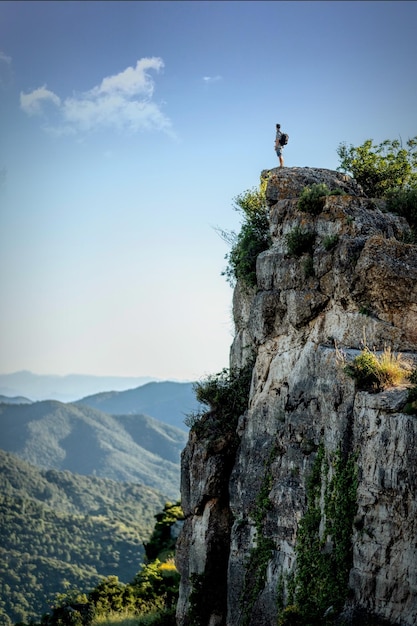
x=127, y=128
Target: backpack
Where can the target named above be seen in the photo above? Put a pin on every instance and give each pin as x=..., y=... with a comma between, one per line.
x=284, y=139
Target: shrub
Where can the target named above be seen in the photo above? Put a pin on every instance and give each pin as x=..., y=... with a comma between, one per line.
x=330, y=241
x=291, y=616
x=299, y=241
x=226, y=395
x=381, y=168
x=308, y=267
x=155, y=587
x=252, y=239
x=161, y=542
x=393, y=369
x=110, y=595
x=404, y=203
x=365, y=309
x=375, y=372
x=312, y=198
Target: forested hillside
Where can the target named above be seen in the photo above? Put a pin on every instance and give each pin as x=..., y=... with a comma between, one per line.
x=149, y=599
x=61, y=531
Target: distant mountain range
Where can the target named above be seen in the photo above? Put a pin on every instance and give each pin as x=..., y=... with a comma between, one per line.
x=64, y=388
x=83, y=440
x=14, y=400
x=168, y=402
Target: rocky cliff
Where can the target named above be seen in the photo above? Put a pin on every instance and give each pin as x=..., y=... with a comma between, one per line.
x=310, y=507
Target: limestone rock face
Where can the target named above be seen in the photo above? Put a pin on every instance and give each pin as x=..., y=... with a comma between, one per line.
x=288, y=182
x=308, y=315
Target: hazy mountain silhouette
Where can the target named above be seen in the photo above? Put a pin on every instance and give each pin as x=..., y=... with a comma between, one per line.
x=168, y=401
x=63, y=388
x=14, y=400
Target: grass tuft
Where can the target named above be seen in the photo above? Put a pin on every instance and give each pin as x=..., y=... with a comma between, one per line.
x=376, y=372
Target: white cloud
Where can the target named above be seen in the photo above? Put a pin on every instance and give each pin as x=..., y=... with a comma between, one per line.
x=122, y=101
x=132, y=81
x=33, y=103
x=212, y=79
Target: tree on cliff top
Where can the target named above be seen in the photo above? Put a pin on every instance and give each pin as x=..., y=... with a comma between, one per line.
x=381, y=168
x=387, y=170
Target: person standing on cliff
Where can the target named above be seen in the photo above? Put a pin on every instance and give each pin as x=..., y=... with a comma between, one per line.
x=278, y=147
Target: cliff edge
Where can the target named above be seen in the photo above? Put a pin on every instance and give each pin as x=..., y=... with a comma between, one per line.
x=309, y=507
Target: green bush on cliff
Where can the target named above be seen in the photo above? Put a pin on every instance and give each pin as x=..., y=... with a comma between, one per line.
x=312, y=198
x=252, y=239
x=330, y=241
x=386, y=170
x=161, y=544
x=226, y=396
x=404, y=203
x=291, y=616
x=299, y=241
x=381, y=168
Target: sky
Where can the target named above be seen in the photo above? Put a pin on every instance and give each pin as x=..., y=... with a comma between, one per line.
x=127, y=130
